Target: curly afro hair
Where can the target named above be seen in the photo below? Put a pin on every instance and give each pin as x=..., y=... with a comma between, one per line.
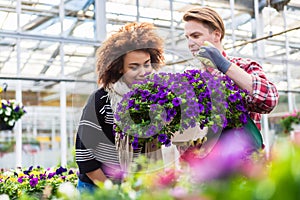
x=131, y=37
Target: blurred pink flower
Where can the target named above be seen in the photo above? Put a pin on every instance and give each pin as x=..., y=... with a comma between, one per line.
x=232, y=150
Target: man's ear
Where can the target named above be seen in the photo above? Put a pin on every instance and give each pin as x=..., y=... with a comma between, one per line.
x=217, y=36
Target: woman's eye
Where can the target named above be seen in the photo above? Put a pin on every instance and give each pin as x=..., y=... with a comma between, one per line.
x=147, y=65
x=133, y=68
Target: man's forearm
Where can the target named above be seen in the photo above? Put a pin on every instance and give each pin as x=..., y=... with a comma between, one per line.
x=240, y=77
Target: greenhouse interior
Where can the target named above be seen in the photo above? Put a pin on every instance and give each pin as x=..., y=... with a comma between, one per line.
x=48, y=67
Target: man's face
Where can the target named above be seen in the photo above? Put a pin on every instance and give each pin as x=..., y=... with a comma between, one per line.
x=196, y=33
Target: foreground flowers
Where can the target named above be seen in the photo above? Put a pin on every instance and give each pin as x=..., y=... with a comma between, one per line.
x=37, y=182
x=166, y=103
x=210, y=179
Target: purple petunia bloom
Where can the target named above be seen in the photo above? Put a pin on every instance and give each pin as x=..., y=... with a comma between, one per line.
x=162, y=101
x=117, y=117
x=151, y=131
x=201, y=108
x=135, y=143
x=136, y=106
x=167, y=143
x=130, y=104
x=232, y=98
x=145, y=93
x=243, y=118
x=241, y=108
x=215, y=128
x=153, y=107
x=171, y=112
x=162, y=138
x=176, y=101
x=190, y=112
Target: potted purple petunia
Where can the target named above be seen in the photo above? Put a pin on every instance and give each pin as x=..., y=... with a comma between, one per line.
x=166, y=103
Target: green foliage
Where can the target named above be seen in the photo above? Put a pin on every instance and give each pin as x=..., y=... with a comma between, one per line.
x=288, y=121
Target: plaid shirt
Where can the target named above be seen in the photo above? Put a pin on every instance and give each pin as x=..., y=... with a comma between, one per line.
x=265, y=96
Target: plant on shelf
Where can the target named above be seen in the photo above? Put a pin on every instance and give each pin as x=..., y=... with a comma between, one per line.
x=10, y=112
x=288, y=121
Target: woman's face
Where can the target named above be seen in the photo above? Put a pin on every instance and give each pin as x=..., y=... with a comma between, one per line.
x=137, y=65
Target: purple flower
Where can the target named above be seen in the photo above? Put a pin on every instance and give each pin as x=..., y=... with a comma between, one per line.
x=162, y=138
x=50, y=175
x=167, y=143
x=176, y=101
x=241, y=108
x=117, y=117
x=135, y=143
x=136, y=106
x=215, y=128
x=153, y=98
x=151, y=131
x=232, y=98
x=130, y=103
x=171, y=112
x=243, y=118
x=162, y=101
x=153, y=107
x=190, y=112
x=17, y=109
x=33, y=182
x=201, y=108
x=60, y=170
x=42, y=176
x=20, y=179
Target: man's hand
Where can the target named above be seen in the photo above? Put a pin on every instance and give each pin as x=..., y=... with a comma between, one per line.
x=210, y=56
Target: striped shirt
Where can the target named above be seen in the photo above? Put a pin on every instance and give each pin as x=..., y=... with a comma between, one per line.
x=95, y=142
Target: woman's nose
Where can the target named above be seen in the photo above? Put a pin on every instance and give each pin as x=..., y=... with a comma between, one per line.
x=145, y=71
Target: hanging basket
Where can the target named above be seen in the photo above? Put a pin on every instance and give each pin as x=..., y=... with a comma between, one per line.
x=4, y=126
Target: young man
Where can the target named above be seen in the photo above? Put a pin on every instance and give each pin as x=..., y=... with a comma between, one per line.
x=204, y=30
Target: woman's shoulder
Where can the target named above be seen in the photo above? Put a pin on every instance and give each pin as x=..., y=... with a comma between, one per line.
x=101, y=93
x=101, y=98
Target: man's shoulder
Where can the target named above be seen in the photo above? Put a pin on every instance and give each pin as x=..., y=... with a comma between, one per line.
x=243, y=62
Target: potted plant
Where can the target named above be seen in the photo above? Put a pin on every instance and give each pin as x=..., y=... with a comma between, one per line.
x=169, y=103
x=288, y=122
x=10, y=112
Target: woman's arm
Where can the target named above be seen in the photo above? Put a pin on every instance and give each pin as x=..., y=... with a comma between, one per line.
x=97, y=175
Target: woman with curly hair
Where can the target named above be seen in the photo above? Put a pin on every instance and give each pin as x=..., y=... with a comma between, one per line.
x=128, y=55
